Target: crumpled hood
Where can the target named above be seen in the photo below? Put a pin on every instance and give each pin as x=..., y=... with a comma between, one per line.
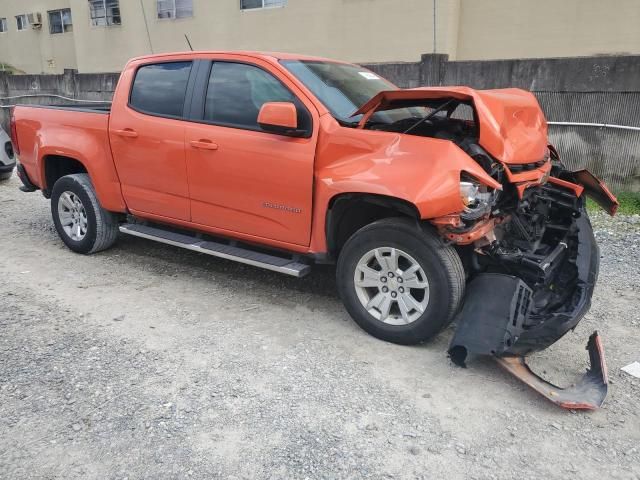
x=513, y=128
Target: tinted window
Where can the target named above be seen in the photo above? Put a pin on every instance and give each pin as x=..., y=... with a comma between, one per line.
x=237, y=91
x=160, y=89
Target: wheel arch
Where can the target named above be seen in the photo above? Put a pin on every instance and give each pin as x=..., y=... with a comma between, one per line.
x=349, y=212
x=55, y=164
x=55, y=167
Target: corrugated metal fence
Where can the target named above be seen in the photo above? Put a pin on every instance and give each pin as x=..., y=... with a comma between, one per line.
x=612, y=154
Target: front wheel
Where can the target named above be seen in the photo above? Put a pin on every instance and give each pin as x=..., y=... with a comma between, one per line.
x=83, y=225
x=400, y=283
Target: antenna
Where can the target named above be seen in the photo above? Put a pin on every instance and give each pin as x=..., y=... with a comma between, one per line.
x=188, y=42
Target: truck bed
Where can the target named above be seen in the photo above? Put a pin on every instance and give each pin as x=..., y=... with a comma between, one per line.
x=77, y=132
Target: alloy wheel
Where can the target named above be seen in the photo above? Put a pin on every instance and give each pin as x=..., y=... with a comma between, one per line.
x=391, y=285
x=72, y=216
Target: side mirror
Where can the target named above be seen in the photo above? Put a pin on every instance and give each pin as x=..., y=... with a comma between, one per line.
x=280, y=118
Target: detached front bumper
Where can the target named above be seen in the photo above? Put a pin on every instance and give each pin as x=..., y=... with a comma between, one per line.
x=505, y=318
x=502, y=314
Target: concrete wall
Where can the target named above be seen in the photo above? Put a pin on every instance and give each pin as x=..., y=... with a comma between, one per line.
x=47, y=90
x=70, y=84
x=581, y=74
x=35, y=50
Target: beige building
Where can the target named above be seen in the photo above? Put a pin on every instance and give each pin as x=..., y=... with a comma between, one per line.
x=26, y=45
x=49, y=36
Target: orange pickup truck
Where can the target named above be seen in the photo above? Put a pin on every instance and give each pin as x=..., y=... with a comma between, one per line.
x=281, y=161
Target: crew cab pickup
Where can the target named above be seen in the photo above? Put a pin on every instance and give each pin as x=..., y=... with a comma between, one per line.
x=281, y=161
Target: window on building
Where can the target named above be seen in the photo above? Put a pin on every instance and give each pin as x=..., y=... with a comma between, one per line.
x=60, y=21
x=175, y=8
x=22, y=22
x=105, y=12
x=236, y=93
x=160, y=89
x=3, y=25
x=253, y=4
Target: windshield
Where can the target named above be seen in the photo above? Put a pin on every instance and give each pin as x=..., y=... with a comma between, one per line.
x=343, y=88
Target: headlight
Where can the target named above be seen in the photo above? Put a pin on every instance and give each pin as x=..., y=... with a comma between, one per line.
x=469, y=193
x=476, y=197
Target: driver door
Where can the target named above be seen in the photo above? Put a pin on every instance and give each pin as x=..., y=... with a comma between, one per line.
x=241, y=178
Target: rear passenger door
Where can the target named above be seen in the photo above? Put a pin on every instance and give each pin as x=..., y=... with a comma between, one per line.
x=243, y=179
x=147, y=140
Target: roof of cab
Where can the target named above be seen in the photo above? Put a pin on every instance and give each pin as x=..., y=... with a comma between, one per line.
x=269, y=56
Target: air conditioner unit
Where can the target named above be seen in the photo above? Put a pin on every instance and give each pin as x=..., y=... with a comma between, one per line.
x=35, y=19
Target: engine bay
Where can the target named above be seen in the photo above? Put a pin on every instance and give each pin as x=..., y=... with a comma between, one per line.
x=446, y=119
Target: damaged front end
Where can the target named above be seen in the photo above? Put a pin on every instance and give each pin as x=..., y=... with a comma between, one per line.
x=524, y=234
x=532, y=283
x=532, y=278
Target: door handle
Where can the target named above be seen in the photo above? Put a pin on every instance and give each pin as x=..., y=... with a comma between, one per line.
x=204, y=144
x=127, y=132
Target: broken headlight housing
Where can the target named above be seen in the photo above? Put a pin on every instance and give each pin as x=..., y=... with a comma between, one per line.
x=478, y=199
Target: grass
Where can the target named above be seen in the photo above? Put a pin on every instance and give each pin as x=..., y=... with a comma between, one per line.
x=629, y=203
x=5, y=67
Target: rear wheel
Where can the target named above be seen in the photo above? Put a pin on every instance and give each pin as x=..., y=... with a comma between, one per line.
x=399, y=282
x=83, y=225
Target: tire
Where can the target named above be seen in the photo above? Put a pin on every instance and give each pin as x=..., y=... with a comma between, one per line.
x=438, y=264
x=5, y=176
x=98, y=227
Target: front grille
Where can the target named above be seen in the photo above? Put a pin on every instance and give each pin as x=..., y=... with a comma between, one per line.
x=8, y=148
x=526, y=167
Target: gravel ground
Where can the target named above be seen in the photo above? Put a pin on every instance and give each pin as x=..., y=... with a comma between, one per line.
x=146, y=361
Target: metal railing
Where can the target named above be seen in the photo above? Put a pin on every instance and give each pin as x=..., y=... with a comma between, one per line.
x=598, y=125
x=48, y=95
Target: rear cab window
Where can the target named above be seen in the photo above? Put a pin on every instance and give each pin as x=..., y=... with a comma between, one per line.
x=160, y=89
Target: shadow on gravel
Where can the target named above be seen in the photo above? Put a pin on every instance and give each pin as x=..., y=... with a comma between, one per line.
x=165, y=259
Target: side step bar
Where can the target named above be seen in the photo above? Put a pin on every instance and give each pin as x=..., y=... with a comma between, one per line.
x=287, y=266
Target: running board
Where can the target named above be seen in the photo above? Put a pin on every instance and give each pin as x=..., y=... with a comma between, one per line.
x=288, y=266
